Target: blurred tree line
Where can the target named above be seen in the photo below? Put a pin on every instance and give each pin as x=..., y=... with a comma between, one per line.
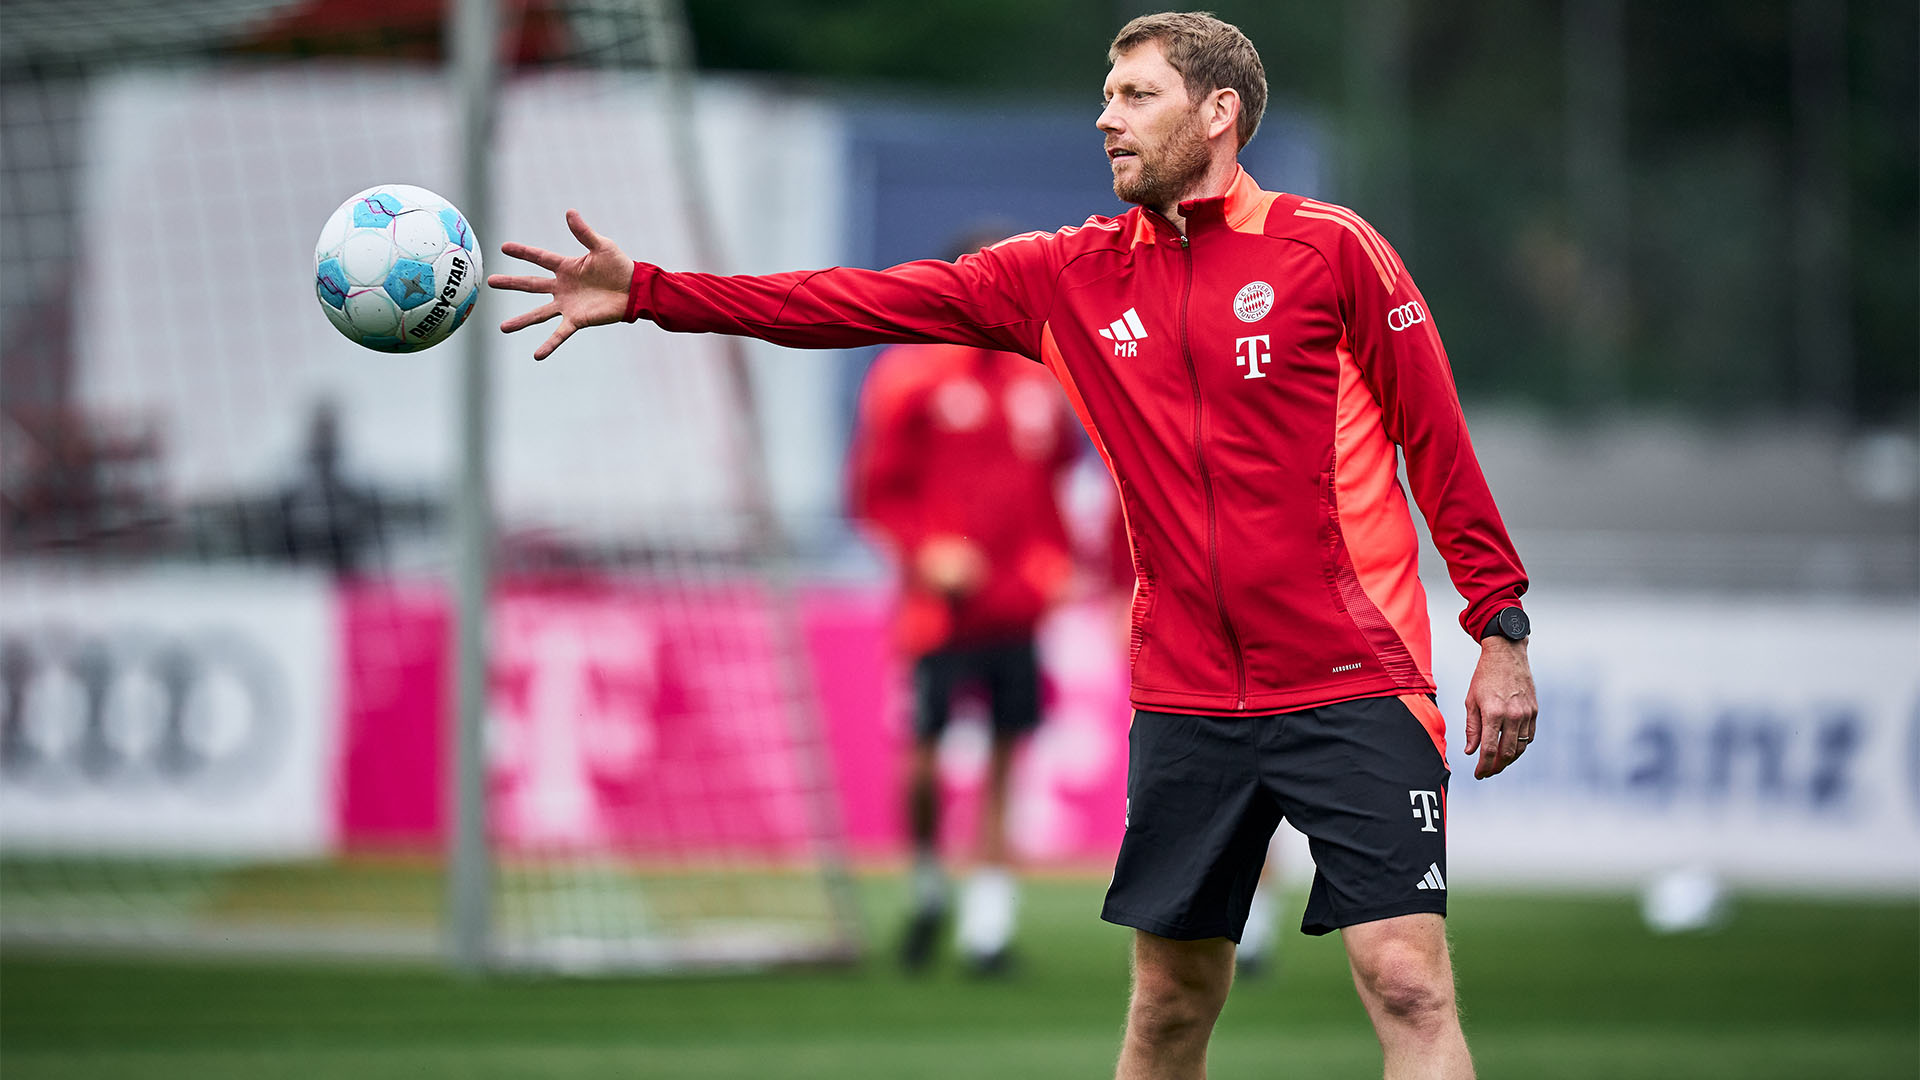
x=1709, y=204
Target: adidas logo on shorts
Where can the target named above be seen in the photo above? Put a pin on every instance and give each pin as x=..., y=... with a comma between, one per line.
x=1433, y=880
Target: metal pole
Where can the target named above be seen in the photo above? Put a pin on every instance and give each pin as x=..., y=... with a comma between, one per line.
x=474, y=49
x=1597, y=193
x=1822, y=298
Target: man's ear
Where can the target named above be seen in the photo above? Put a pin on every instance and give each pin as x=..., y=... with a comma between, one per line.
x=1223, y=112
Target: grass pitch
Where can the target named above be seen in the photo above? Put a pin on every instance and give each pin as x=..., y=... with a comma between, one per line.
x=1553, y=986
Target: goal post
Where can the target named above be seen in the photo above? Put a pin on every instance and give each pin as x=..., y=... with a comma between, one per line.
x=475, y=46
x=248, y=570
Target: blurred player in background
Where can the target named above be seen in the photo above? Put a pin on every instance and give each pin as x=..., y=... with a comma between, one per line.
x=1250, y=364
x=956, y=467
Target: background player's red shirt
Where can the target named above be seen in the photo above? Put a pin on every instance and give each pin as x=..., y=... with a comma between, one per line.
x=960, y=441
x=1248, y=384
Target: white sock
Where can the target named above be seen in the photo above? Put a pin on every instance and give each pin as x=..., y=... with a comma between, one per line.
x=929, y=883
x=986, y=911
x=1262, y=917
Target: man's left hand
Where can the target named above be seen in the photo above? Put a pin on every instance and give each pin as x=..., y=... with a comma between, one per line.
x=1500, y=706
x=589, y=289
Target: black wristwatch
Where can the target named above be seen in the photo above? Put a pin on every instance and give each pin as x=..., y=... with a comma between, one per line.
x=1511, y=623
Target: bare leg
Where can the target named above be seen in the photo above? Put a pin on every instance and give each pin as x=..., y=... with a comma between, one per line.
x=928, y=905
x=923, y=796
x=1179, y=988
x=1405, y=979
x=987, y=906
x=993, y=802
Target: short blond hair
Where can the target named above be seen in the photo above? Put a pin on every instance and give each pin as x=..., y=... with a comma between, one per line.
x=1209, y=54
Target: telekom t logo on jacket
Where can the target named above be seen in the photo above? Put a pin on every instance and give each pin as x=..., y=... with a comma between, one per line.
x=1126, y=333
x=1250, y=353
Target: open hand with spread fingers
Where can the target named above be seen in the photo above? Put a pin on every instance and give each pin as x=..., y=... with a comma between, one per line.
x=589, y=289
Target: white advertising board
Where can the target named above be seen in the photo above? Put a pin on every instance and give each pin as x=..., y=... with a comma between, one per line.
x=167, y=714
x=1773, y=743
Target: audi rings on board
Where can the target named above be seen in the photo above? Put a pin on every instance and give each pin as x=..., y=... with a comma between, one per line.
x=129, y=709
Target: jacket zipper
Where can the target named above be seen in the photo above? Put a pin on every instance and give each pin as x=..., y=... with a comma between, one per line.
x=1206, y=487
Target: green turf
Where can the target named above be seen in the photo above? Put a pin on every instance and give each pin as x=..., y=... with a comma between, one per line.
x=1553, y=987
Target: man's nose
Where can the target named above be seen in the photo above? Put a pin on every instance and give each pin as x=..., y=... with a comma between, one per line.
x=1109, y=122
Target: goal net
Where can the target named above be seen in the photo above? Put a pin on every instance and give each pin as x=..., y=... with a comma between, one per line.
x=226, y=617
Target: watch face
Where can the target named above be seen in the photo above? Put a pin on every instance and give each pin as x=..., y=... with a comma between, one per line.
x=1513, y=623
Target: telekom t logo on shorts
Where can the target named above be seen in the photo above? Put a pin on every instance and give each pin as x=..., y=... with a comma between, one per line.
x=1426, y=804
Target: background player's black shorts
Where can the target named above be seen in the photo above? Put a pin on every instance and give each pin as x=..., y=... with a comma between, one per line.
x=1364, y=780
x=1008, y=673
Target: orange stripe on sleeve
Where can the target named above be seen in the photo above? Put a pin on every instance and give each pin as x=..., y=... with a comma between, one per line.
x=1367, y=231
x=1376, y=247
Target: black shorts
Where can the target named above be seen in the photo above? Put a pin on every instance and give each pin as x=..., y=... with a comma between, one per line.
x=1364, y=780
x=1008, y=673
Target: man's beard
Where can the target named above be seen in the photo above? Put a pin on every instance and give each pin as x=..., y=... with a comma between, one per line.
x=1182, y=161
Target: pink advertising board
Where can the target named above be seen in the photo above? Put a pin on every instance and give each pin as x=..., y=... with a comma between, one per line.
x=636, y=720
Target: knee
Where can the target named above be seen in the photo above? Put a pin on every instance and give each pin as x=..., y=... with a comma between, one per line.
x=1167, y=1008
x=1409, y=987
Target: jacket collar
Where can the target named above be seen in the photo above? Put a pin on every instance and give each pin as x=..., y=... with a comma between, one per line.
x=1243, y=199
x=1242, y=208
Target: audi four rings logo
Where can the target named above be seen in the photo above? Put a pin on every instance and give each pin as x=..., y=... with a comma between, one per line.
x=1407, y=314
x=130, y=710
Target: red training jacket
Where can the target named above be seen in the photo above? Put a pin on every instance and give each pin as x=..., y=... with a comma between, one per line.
x=1247, y=385
x=966, y=442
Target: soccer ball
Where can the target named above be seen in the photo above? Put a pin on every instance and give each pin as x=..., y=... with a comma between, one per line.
x=397, y=268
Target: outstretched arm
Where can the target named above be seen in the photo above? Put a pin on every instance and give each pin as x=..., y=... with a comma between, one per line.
x=994, y=299
x=589, y=289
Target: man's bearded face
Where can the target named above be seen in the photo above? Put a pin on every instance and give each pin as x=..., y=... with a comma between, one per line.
x=1161, y=170
x=1156, y=136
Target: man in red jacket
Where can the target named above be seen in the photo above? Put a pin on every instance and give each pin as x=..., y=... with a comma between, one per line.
x=1248, y=363
x=956, y=466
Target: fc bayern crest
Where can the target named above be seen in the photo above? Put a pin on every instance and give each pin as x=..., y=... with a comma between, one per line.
x=1254, y=301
